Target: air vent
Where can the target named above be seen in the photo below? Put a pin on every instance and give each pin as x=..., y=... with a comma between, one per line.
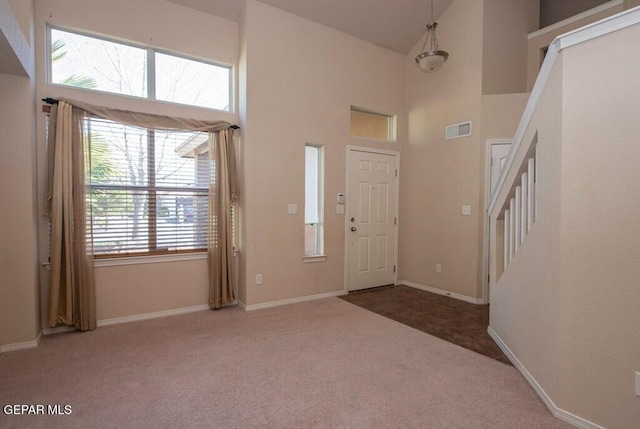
x=457, y=131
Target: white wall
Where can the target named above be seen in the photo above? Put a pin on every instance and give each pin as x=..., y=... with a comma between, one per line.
x=136, y=289
x=439, y=176
x=506, y=26
x=19, y=319
x=19, y=316
x=16, y=49
x=600, y=231
x=301, y=80
x=242, y=111
x=23, y=12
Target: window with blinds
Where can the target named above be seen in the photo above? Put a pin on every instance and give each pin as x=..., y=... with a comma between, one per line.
x=148, y=189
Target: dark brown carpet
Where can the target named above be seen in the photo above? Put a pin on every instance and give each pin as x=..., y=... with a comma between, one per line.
x=452, y=320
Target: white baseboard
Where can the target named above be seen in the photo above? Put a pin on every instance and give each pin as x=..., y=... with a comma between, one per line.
x=561, y=414
x=22, y=345
x=154, y=315
x=57, y=330
x=290, y=300
x=438, y=291
x=133, y=318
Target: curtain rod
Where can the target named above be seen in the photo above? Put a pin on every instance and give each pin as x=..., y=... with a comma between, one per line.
x=50, y=100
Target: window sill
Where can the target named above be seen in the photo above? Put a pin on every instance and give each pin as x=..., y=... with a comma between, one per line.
x=314, y=258
x=138, y=260
x=152, y=259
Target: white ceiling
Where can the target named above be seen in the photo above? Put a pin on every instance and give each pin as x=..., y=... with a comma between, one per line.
x=395, y=24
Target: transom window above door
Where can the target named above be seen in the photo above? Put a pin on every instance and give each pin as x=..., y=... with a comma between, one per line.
x=370, y=125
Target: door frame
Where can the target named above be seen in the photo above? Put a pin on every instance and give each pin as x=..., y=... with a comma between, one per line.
x=487, y=195
x=350, y=150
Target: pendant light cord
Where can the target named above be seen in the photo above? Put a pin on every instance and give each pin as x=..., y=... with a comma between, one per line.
x=431, y=34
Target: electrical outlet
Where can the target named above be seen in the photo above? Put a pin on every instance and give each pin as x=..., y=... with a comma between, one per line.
x=292, y=209
x=438, y=268
x=466, y=210
x=258, y=279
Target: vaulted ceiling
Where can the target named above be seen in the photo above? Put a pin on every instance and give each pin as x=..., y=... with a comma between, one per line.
x=395, y=24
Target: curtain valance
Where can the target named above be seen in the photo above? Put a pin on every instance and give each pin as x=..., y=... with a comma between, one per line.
x=149, y=120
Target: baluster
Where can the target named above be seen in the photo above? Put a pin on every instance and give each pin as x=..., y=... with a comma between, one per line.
x=517, y=219
x=507, y=240
x=535, y=181
x=532, y=193
x=512, y=235
x=523, y=206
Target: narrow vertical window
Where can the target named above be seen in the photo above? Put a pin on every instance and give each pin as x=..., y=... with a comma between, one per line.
x=313, y=236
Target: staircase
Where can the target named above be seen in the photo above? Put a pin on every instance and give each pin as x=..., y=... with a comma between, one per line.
x=565, y=229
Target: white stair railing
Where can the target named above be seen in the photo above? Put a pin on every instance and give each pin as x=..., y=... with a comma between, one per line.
x=518, y=214
x=514, y=200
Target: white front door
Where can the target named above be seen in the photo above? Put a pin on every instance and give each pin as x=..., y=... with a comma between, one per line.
x=371, y=219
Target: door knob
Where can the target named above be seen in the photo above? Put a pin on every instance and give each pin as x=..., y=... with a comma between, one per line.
x=353, y=219
x=354, y=229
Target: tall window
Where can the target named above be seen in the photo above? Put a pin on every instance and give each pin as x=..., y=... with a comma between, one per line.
x=313, y=234
x=93, y=63
x=148, y=189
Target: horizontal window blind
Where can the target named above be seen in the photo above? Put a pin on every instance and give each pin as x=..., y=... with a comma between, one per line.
x=148, y=189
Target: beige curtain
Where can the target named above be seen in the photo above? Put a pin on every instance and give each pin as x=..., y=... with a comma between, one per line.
x=223, y=192
x=72, y=297
x=71, y=282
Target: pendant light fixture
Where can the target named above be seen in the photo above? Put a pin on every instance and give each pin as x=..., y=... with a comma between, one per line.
x=431, y=60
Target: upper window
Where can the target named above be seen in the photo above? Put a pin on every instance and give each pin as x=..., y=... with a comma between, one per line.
x=371, y=125
x=93, y=63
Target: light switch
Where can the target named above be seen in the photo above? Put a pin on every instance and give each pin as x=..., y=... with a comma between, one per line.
x=466, y=210
x=293, y=208
x=340, y=209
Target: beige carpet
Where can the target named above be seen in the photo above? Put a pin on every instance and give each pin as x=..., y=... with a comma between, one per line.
x=319, y=364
